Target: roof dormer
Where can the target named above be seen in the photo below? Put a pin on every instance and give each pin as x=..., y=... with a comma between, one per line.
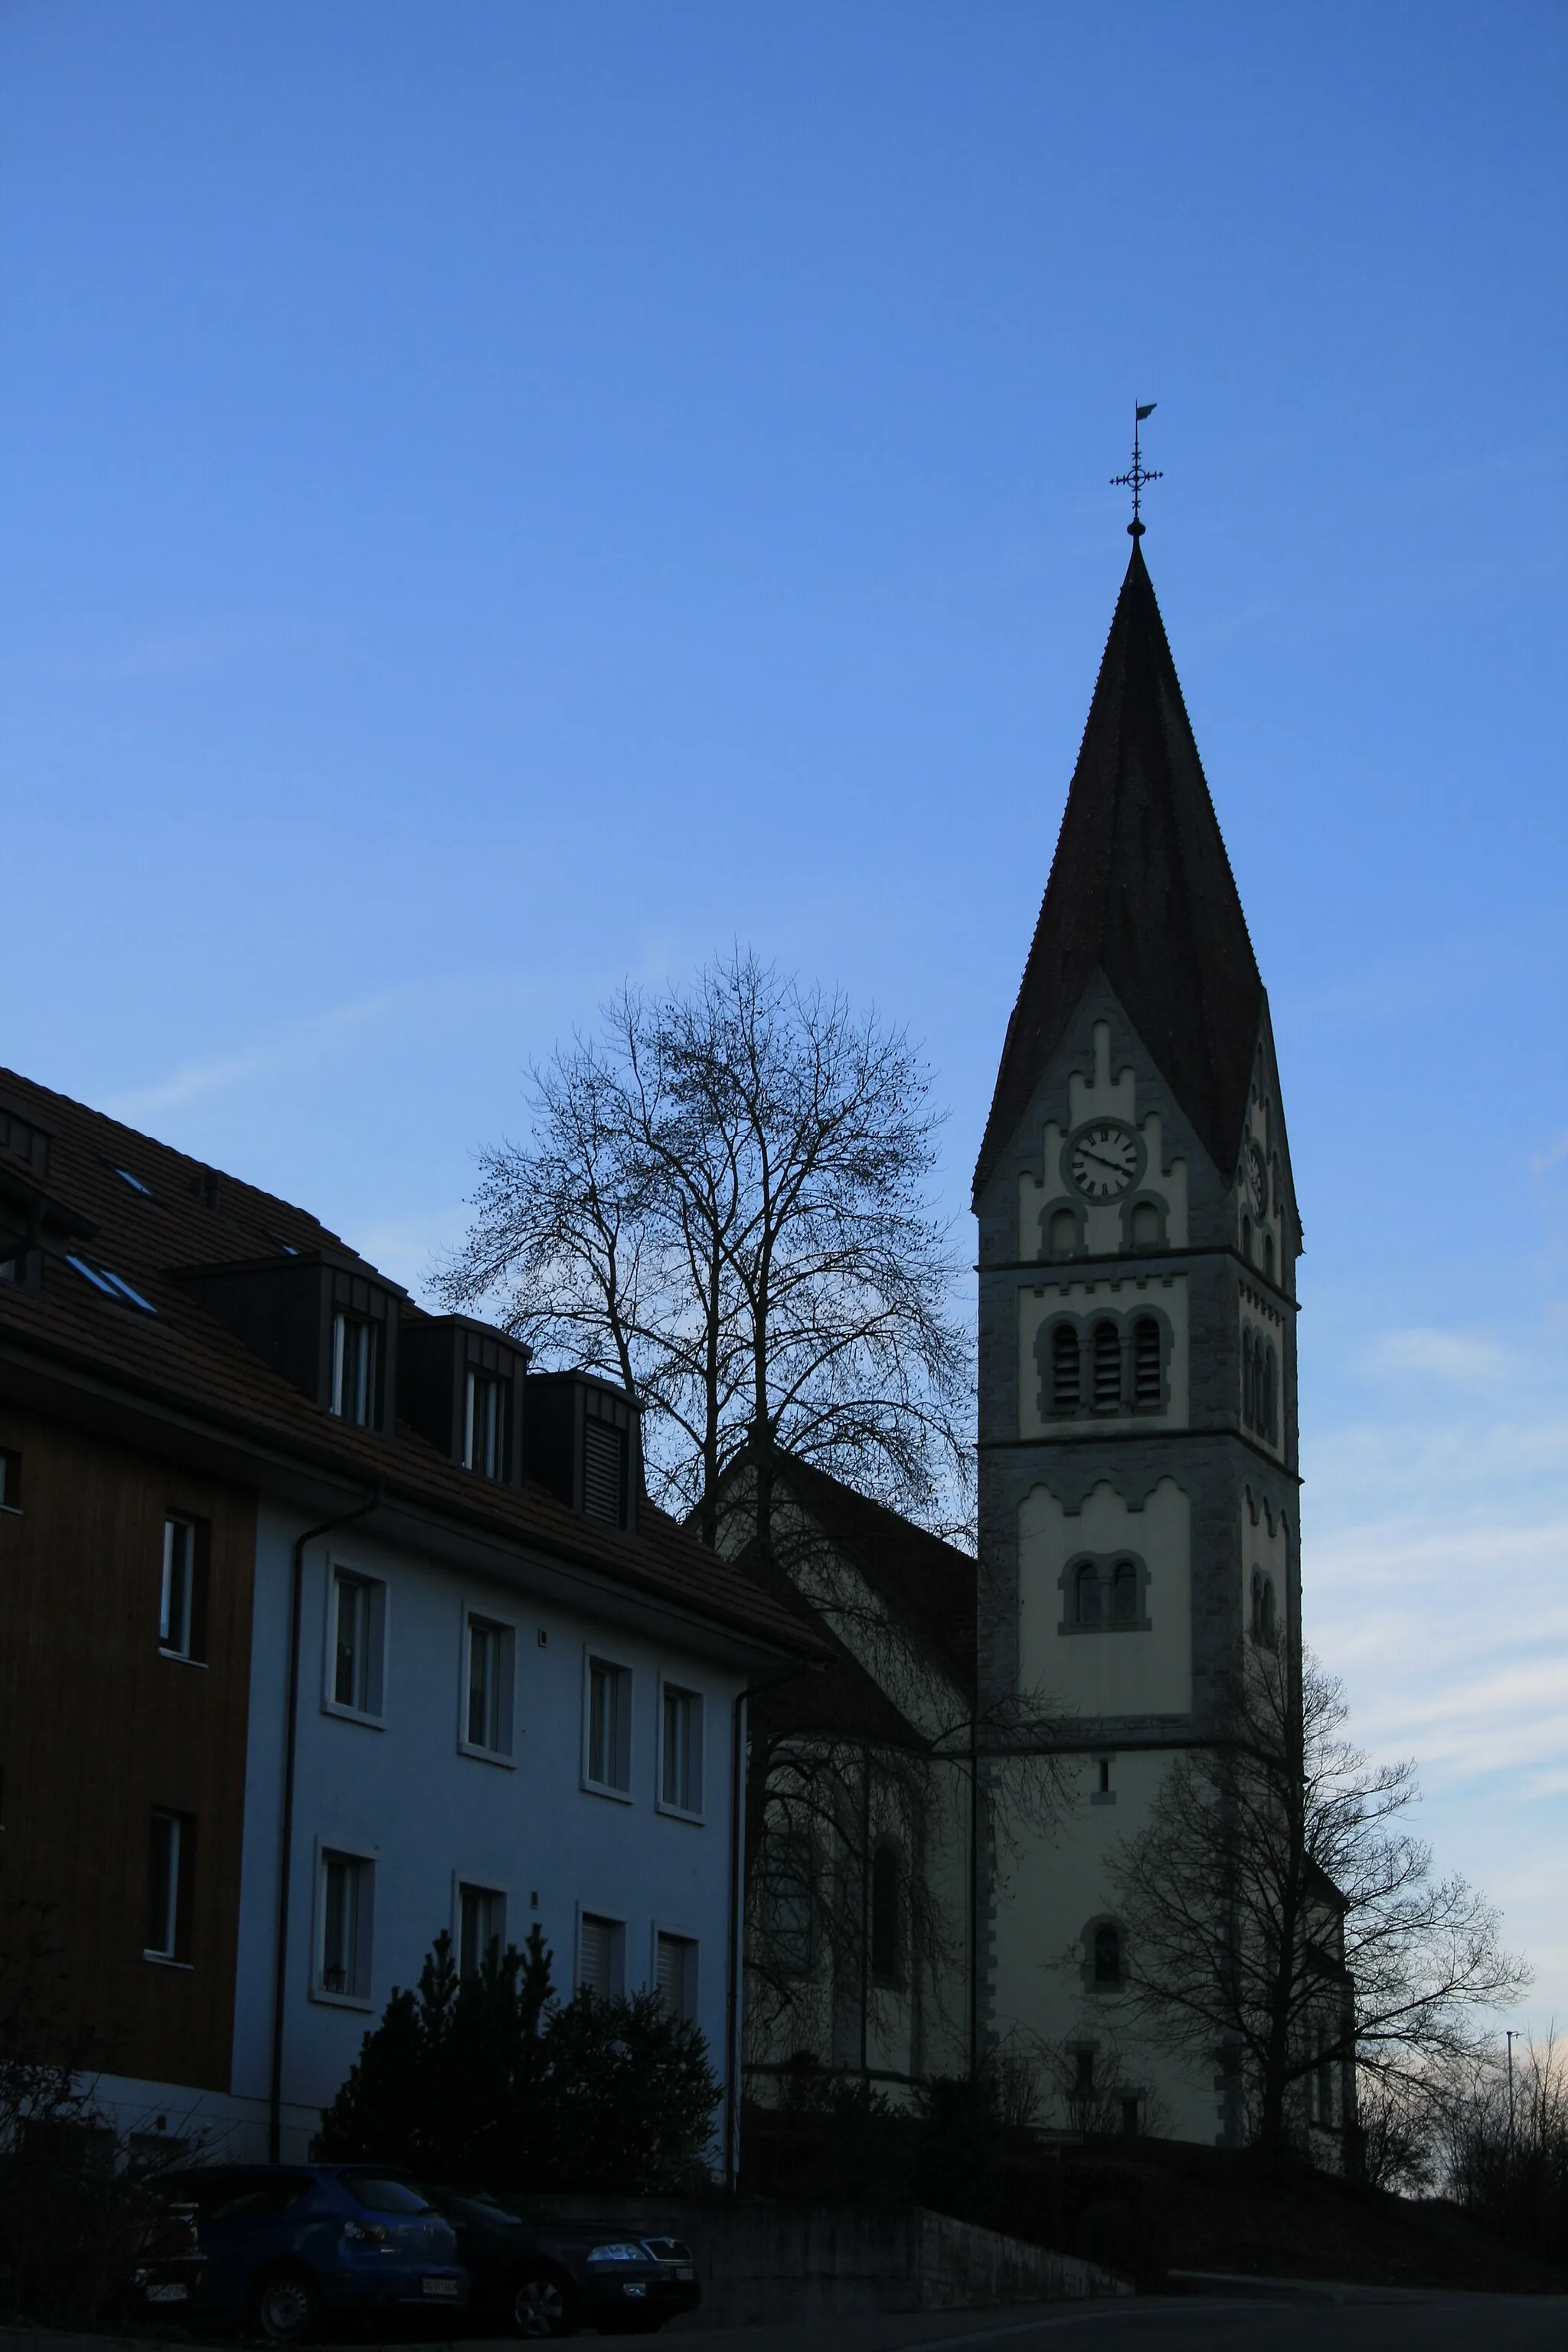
x=461, y=1384
x=582, y=1439
x=326, y=1323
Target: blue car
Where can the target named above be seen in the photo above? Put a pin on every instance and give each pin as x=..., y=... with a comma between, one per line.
x=286, y=2246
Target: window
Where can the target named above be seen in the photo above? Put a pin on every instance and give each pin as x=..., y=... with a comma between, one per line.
x=609, y=1762
x=343, y=1959
x=1265, y=1610
x=170, y=1865
x=675, y=1973
x=680, y=1759
x=886, y=1918
x=1271, y=1416
x=600, y=1956
x=788, y=1877
x=134, y=1181
x=604, y=1472
x=1147, y=1364
x=1130, y=2114
x=359, y=1619
x=356, y=1369
x=1246, y=1239
x=1064, y=1233
x=1067, y=1370
x=1146, y=1232
x=1105, y=1590
x=1268, y=1255
x=182, y=1606
x=487, y=1426
x=1083, y=2074
x=1089, y=1592
x=1107, y=1368
x=481, y=1928
x=1107, y=1954
x=112, y=1286
x=487, y=1697
x=10, y=1479
x=1124, y=1592
x=1102, y=1792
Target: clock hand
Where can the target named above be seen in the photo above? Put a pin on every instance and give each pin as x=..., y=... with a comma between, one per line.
x=1117, y=1167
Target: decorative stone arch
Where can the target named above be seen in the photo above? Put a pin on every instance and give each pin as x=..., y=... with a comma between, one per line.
x=1145, y=1222
x=1062, y=1229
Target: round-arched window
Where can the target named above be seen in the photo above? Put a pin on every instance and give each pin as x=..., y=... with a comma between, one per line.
x=1107, y=1953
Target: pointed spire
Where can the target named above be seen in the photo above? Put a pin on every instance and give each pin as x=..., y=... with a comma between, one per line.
x=1139, y=889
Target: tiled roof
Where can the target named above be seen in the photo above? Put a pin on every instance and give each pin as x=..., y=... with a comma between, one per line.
x=179, y=1213
x=928, y=1584
x=1140, y=888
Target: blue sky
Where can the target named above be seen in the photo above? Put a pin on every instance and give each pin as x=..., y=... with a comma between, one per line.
x=502, y=498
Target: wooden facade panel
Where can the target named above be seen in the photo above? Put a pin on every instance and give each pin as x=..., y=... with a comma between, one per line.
x=98, y=1728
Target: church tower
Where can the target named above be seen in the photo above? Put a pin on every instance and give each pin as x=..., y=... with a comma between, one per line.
x=1137, y=1406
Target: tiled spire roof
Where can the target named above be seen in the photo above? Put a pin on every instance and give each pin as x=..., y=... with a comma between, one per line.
x=1139, y=889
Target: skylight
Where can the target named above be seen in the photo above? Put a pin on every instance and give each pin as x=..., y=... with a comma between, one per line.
x=113, y=1286
x=134, y=1181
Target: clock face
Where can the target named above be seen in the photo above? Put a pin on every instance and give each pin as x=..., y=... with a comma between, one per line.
x=1257, y=1178
x=1103, y=1160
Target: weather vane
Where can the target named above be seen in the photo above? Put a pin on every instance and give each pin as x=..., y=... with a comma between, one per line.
x=1139, y=473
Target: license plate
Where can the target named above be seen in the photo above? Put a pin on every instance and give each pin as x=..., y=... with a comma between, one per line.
x=441, y=2286
x=166, y=2295
x=685, y=2272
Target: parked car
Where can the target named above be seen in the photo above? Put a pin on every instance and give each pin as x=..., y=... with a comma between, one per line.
x=286, y=2245
x=168, y=2263
x=533, y=2274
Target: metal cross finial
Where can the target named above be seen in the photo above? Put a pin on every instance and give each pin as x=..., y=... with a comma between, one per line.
x=1139, y=473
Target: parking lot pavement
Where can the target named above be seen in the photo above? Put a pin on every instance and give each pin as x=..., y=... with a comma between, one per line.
x=1325, y=2320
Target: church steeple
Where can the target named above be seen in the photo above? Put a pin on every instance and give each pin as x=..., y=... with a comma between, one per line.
x=1140, y=888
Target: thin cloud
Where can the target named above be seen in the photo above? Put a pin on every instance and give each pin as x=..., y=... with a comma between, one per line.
x=1468, y=1359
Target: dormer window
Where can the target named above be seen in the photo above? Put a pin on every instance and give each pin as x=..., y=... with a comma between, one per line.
x=605, y=1452
x=487, y=1426
x=356, y=1370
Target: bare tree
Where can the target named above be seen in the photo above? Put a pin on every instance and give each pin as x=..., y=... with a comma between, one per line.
x=723, y=1205
x=1281, y=1924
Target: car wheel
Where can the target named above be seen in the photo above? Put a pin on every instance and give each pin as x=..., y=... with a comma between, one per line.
x=285, y=2307
x=541, y=2305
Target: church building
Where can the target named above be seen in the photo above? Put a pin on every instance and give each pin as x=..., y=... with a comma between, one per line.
x=1137, y=1481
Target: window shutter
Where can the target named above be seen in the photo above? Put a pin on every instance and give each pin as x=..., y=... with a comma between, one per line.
x=671, y=1958
x=594, y=1957
x=1146, y=1361
x=604, y=1474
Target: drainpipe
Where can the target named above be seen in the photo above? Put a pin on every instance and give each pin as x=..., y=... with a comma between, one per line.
x=286, y=1824
x=737, y=1903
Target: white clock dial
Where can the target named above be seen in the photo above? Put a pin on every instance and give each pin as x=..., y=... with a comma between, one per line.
x=1104, y=1159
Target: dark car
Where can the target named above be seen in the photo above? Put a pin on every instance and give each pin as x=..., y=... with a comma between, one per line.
x=285, y=2245
x=168, y=2264
x=537, y=2275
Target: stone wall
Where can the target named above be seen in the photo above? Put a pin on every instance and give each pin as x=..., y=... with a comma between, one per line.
x=764, y=2262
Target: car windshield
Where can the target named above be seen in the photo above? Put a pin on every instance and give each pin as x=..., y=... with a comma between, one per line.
x=377, y=2194
x=477, y=2207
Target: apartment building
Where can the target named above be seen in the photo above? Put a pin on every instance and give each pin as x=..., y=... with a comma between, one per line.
x=326, y=1625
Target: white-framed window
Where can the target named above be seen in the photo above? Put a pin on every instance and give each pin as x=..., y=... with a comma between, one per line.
x=356, y=1644
x=490, y=1675
x=680, y=1750
x=601, y=1955
x=170, y=1877
x=181, y=1604
x=482, y=1926
x=675, y=1971
x=356, y=1369
x=606, y=1727
x=487, y=1425
x=345, y=1904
